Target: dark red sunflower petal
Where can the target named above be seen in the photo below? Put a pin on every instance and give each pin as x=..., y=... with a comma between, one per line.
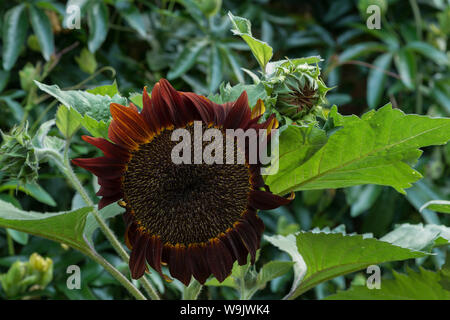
x=199, y=106
x=130, y=123
x=240, y=113
x=165, y=101
x=148, y=113
x=266, y=200
x=178, y=266
x=131, y=234
x=197, y=261
x=137, y=257
x=109, y=149
x=104, y=201
x=154, y=253
x=219, y=259
x=236, y=247
x=248, y=237
x=102, y=166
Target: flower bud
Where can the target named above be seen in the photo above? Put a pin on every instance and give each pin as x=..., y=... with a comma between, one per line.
x=299, y=92
x=18, y=159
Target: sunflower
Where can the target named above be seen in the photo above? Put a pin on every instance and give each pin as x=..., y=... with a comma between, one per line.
x=195, y=218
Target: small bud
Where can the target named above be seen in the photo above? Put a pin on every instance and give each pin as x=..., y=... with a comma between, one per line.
x=299, y=91
x=40, y=264
x=27, y=75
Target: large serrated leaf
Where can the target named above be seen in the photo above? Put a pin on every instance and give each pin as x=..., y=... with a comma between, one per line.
x=321, y=256
x=418, y=236
x=66, y=227
x=377, y=148
x=422, y=285
x=93, y=108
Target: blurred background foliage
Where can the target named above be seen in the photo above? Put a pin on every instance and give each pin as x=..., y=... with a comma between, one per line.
x=189, y=42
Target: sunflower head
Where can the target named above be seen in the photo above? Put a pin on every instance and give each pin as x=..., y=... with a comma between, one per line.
x=196, y=218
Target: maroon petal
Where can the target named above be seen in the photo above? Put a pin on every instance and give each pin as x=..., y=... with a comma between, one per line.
x=109, y=149
x=219, y=259
x=240, y=114
x=249, y=238
x=154, y=253
x=178, y=266
x=197, y=262
x=137, y=257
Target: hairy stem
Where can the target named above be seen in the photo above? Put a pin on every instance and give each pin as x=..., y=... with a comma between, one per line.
x=192, y=291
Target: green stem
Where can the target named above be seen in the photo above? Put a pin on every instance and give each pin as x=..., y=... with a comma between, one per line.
x=68, y=171
x=192, y=291
x=417, y=18
x=10, y=241
x=242, y=286
x=116, y=274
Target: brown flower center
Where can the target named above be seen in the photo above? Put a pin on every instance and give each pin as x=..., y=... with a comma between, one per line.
x=183, y=203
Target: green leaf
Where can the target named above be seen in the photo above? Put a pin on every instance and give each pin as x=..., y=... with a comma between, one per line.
x=4, y=78
x=233, y=62
x=377, y=78
x=428, y=51
x=15, y=27
x=260, y=49
x=186, y=59
x=360, y=49
x=18, y=236
x=418, y=236
x=43, y=31
x=325, y=255
x=272, y=270
x=136, y=98
x=442, y=206
x=86, y=61
x=93, y=108
x=68, y=121
x=297, y=144
x=106, y=90
x=405, y=62
x=31, y=189
x=362, y=198
x=377, y=148
x=215, y=69
x=98, y=25
x=228, y=93
x=132, y=15
x=422, y=285
x=289, y=245
x=107, y=212
x=420, y=193
x=66, y=227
